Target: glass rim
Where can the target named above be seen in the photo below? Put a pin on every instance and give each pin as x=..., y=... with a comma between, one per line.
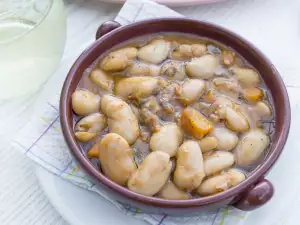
x=4, y=16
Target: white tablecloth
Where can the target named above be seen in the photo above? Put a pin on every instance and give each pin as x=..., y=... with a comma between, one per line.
x=22, y=201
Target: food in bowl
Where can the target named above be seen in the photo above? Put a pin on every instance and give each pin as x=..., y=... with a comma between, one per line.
x=173, y=116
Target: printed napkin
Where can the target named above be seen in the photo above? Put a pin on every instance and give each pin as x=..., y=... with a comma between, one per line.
x=42, y=141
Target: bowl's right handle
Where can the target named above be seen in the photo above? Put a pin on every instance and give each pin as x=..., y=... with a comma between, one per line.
x=255, y=196
x=106, y=27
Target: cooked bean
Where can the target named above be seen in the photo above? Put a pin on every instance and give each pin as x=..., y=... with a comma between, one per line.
x=121, y=119
x=116, y=158
x=88, y=127
x=226, y=139
x=228, y=57
x=154, y=52
x=220, y=183
x=137, y=87
x=143, y=69
x=203, y=67
x=152, y=174
x=190, y=91
x=102, y=79
x=85, y=102
x=246, y=76
x=236, y=176
x=198, y=49
x=236, y=121
x=85, y=136
x=188, y=51
x=173, y=70
x=189, y=171
x=167, y=139
x=208, y=144
x=217, y=161
x=171, y=192
x=251, y=147
x=262, y=109
x=118, y=60
x=194, y=123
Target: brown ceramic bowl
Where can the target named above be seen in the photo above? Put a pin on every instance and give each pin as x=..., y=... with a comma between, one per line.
x=250, y=194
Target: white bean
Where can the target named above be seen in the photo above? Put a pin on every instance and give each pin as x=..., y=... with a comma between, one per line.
x=247, y=77
x=88, y=127
x=121, y=119
x=190, y=91
x=171, y=192
x=226, y=139
x=189, y=171
x=217, y=161
x=208, y=144
x=136, y=87
x=236, y=121
x=185, y=51
x=102, y=79
x=220, y=183
x=85, y=102
x=116, y=158
x=118, y=60
x=167, y=139
x=143, y=69
x=251, y=147
x=154, y=52
x=262, y=109
x=152, y=174
x=203, y=67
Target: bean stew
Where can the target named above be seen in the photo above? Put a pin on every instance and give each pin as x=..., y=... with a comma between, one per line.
x=173, y=116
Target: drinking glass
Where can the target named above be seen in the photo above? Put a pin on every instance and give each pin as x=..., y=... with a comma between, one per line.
x=32, y=39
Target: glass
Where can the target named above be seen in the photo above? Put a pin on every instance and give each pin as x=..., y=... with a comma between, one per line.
x=32, y=38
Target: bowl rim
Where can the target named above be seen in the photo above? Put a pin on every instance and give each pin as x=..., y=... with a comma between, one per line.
x=258, y=173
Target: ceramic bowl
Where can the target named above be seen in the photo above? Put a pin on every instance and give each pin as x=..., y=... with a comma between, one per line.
x=251, y=193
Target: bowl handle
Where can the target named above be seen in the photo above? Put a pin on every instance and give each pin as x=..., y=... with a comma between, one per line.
x=106, y=27
x=255, y=196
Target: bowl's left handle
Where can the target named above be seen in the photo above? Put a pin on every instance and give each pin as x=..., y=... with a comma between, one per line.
x=255, y=196
x=106, y=27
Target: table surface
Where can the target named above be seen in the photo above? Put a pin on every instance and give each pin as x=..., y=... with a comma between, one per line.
x=22, y=201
